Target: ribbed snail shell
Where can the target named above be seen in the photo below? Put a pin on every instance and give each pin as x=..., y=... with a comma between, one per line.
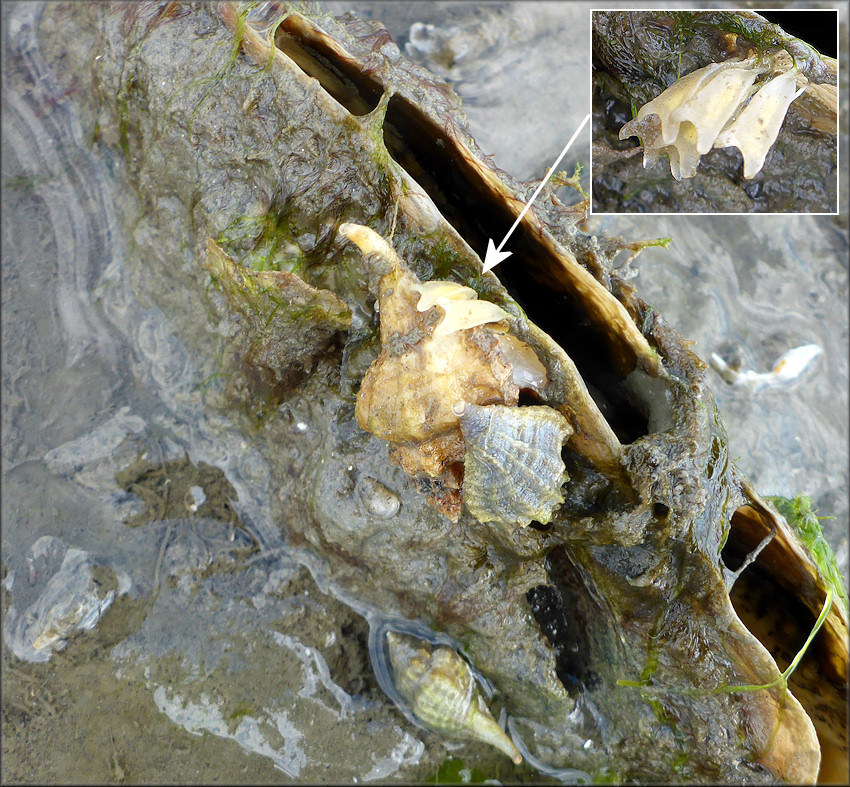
x=443, y=694
x=513, y=471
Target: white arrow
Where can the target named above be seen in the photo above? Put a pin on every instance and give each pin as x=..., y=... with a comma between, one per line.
x=495, y=255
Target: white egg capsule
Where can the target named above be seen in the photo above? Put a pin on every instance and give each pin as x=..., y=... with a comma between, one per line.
x=757, y=126
x=714, y=106
x=715, y=101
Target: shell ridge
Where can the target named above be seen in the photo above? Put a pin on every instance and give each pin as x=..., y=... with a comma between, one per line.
x=514, y=470
x=525, y=474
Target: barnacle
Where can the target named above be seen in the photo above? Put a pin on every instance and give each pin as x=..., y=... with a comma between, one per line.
x=717, y=106
x=443, y=694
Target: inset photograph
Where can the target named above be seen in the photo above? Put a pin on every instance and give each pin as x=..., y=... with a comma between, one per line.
x=714, y=112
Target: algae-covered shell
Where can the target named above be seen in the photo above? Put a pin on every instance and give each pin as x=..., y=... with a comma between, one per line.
x=443, y=693
x=513, y=468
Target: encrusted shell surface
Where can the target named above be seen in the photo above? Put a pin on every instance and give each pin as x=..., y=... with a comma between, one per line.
x=513, y=468
x=443, y=693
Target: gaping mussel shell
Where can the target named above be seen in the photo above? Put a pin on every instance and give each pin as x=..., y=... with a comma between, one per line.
x=443, y=694
x=513, y=471
x=625, y=559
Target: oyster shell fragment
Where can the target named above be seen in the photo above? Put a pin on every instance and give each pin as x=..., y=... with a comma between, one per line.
x=443, y=694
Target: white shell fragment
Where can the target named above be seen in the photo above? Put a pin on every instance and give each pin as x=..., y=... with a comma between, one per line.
x=676, y=95
x=63, y=595
x=378, y=500
x=513, y=471
x=526, y=369
x=788, y=368
x=438, y=291
x=684, y=156
x=716, y=106
x=369, y=242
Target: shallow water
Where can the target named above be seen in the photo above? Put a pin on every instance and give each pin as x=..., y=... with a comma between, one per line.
x=262, y=658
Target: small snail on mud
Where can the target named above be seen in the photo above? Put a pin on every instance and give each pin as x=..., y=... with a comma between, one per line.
x=443, y=694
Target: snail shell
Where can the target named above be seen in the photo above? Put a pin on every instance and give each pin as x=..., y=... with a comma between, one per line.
x=443, y=694
x=440, y=344
x=513, y=468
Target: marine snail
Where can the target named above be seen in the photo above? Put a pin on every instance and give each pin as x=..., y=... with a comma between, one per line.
x=443, y=693
x=513, y=467
x=717, y=106
x=440, y=345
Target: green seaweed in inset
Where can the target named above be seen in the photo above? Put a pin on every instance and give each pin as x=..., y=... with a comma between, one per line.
x=761, y=33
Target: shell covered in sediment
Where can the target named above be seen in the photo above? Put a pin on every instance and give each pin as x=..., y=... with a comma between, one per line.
x=513, y=470
x=443, y=693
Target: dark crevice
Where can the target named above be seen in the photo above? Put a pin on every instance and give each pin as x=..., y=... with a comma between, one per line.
x=548, y=610
x=661, y=511
x=357, y=92
x=427, y=152
x=558, y=610
x=744, y=539
x=774, y=616
x=732, y=556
